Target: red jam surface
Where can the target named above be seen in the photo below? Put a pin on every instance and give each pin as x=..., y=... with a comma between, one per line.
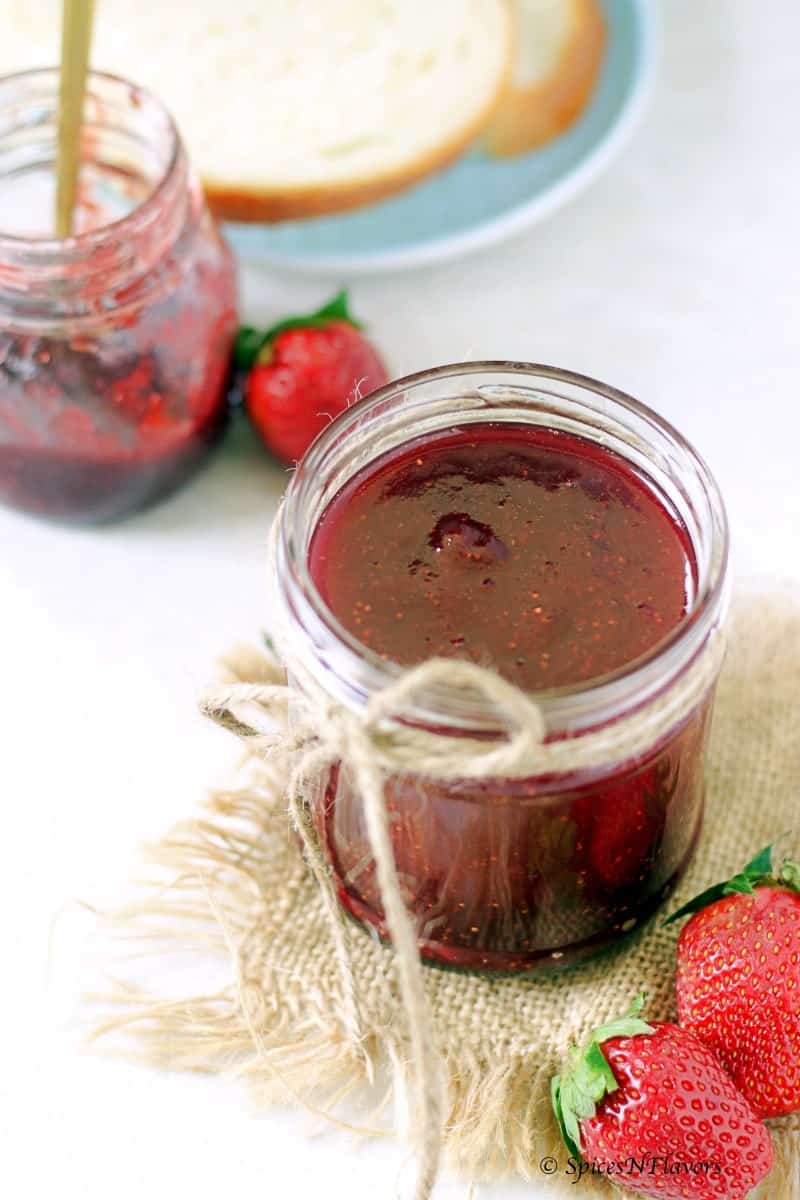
x=548, y=558
x=95, y=426
x=523, y=549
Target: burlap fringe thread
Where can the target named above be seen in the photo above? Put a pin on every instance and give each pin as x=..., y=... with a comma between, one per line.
x=298, y=1030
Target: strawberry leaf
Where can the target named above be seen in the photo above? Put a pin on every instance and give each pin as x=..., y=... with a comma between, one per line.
x=595, y=1074
x=709, y=896
x=336, y=309
x=761, y=864
x=576, y=1094
x=740, y=883
x=624, y=1026
x=251, y=342
x=246, y=347
x=567, y=1121
x=759, y=872
x=564, y=1105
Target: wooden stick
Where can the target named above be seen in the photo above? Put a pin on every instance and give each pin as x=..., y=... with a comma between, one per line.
x=76, y=37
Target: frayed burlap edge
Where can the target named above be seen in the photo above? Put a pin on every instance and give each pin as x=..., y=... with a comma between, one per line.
x=497, y=1122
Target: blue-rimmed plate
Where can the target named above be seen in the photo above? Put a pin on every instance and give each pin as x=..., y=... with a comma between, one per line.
x=480, y=200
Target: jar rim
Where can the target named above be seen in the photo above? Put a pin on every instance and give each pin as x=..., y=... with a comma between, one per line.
x=568, y=709
x=84, y=244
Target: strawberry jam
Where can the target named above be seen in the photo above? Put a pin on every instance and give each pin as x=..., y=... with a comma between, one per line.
x=115, y=342
x=526, y=550
x=550, y=559
x=94, y=428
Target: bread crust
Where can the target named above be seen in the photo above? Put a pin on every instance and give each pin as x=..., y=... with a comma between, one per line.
x=232, y=202
x=527, y=117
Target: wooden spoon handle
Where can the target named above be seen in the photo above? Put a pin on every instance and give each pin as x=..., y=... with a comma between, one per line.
x=76, y=37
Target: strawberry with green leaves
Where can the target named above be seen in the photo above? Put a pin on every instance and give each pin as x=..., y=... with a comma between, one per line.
x=738, y=980
x=650, y=1106
x=303, y=372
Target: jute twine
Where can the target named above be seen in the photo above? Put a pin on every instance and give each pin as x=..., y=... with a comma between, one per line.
x=317, y=1009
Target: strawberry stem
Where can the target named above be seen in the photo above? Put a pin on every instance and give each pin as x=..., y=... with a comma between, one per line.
x=759, y=872
x=251, y=342
x=576, y=1094
x=790, y=874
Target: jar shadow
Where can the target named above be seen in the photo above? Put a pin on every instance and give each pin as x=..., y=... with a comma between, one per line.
x=238, y=487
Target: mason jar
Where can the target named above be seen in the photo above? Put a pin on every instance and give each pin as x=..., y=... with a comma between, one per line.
x=523, y=873
x=114, y=342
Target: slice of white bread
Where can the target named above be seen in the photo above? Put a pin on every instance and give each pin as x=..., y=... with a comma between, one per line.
x=293, y=108
x=560, y=49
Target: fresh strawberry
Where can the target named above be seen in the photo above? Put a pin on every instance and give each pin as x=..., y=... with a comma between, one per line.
x=651, y=1106
x=303, y=372
x=738, y=980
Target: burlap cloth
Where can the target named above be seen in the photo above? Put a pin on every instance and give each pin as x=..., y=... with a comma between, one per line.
x=235, y=880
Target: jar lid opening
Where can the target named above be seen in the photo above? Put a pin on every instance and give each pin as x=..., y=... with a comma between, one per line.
x=130, y=147
x=133, y=197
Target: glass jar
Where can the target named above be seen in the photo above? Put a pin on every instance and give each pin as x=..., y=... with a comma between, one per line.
x=115, y=342
x=514, y=874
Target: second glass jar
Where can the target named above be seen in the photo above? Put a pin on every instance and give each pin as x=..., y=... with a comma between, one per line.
x=115, y=342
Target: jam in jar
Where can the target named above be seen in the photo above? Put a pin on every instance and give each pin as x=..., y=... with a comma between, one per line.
x=114, y=342
x=551, y=528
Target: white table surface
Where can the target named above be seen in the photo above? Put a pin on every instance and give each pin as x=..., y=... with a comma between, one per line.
x=675, y=277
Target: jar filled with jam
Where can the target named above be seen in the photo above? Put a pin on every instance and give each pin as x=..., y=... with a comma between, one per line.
x=548, y=527
x=114, y=342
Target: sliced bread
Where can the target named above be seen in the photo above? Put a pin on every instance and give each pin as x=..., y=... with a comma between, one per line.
x=560, y=49
x=293, y=108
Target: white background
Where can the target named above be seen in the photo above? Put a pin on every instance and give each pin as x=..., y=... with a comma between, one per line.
x=676, y=278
